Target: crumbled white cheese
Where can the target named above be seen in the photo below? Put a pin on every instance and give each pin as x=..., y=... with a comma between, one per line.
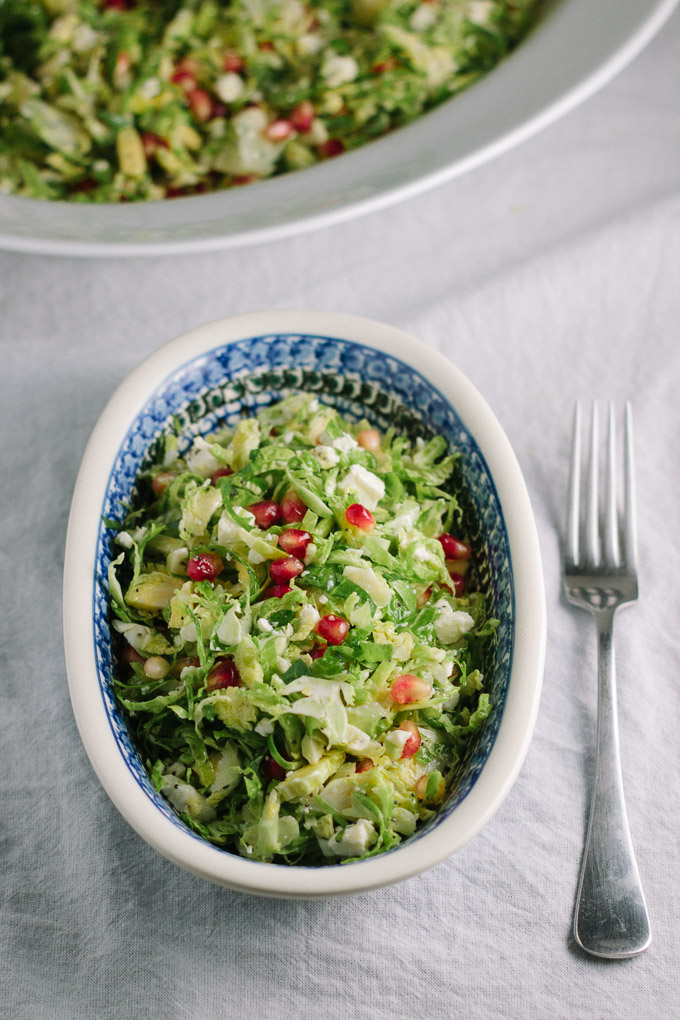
x=423, y=17
x=265, y=626
x=309, y=44
x=345, y=443
x=356, y=839
x=450, y=625
x=364, y=484
x=201, y=460
x=124, y=539
x=229, y=87
x=327, y=456
x=339, y=70
x=254, y=557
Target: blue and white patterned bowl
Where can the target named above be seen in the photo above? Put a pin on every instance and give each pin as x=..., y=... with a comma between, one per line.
x=205, y=379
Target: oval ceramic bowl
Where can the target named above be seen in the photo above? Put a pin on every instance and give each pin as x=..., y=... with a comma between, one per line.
x=204, y=379
x=575, y=49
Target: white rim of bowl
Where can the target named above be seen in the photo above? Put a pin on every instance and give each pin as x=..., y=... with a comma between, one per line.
x=519, y=714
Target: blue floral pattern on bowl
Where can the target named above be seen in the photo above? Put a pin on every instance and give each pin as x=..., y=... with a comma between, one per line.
x=215, y=389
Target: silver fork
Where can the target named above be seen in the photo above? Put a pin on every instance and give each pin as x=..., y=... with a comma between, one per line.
x=600, y=575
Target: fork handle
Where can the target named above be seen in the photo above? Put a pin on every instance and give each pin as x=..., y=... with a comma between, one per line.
x=611, y=917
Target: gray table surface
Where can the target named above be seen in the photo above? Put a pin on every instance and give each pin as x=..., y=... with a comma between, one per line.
x=549, y=274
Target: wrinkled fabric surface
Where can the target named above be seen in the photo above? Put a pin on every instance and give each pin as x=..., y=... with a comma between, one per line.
x=547, y=275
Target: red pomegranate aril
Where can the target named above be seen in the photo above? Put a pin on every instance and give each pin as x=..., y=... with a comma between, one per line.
x=277, y=591
x=281, y=571
x=369, y=439
x=292, y=507
x=232, y=62
x=331, y=147
x=454, y=549
x=222, y=472
x=458, y=582
x=359, y=517
x=271, y=768
x=185, y=79
x=424, y=597
x=266, y=513
x=152, y=143
x=408, y=688
x=302, y=116
x=295, y=542
x=130, y=655
x=116, y=5
x=85, y=186
x=316, y=653
x=223, y=674
x=205, y=567
x=364, y=765
x=279, y=130
x=200, y=103
x=414, y=740
x=160, y=482
x=332, y=629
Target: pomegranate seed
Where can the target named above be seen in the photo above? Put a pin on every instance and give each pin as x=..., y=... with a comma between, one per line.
x=160, y=482
x=200, y=103
x=295, y=542
x=332, y=147
x=223, y=674
x=193, y=662
x=370, y=439
x=407, y=688
x=122, y=65
x=266, y=513
x=302, y=116
x=420, y=789
x=359, y=517
x=245, y=179
x=454, y=549
x=277, y=591
x=116, y=5
x=292, y=507
x=364, y=765
x=86, y=185
x=267, y=46
x=152, y=143
x=424, y=597
x=316, y=653
x=385, y=65
x=414, y=740
x=281, y=571
x=232, y=62
x=185, y=79
x=332, y=629
x=458, y=582
x=130, y=655
x=222, y=472
x=279, y=130
x=271, y=768
x=205, y=567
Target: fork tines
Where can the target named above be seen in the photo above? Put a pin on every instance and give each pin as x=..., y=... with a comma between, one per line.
x=601, y=539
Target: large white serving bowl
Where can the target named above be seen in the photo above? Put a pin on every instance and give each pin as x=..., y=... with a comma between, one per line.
x=366, y=369
x=575, y=49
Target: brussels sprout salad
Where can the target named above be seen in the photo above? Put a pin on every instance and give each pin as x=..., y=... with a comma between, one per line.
x=124, y=100
x=298, y=637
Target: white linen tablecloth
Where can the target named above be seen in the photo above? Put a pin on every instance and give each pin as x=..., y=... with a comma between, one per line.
x=549, y=274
